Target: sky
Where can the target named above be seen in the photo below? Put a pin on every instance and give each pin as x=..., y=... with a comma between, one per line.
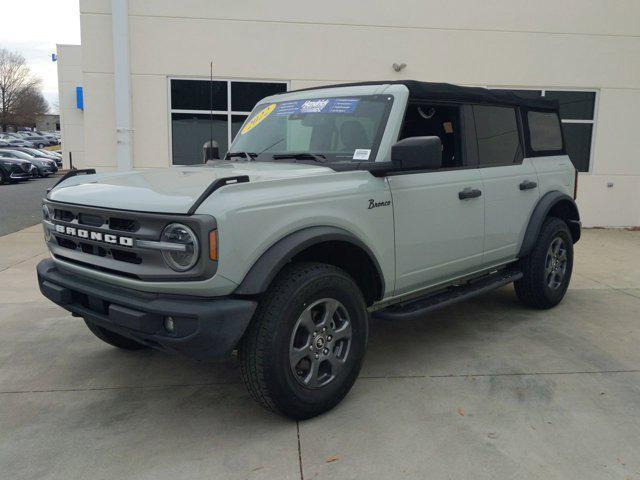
x=32, y=28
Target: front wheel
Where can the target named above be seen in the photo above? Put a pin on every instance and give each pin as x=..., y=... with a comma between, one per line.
x=547, y=269
x=304, y=348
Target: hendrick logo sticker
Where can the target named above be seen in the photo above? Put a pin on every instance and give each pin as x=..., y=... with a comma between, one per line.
x=258, y=117
x=314, y=106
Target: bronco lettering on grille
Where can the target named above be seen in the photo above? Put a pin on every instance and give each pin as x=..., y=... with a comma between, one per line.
x=95, y=236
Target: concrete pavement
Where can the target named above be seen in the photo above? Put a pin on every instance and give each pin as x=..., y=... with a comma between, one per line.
x=484, y=389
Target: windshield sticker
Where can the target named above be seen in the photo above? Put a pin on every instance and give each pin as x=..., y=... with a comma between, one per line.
x=361, y=154
x=259, y=117
x=318, y=105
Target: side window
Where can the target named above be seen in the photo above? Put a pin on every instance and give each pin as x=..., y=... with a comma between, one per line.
x=497, y=135
x=423, y=120
x=544, y=131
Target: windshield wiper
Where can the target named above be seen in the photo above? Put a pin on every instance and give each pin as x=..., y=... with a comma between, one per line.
x=247, y=155
x=300, y=156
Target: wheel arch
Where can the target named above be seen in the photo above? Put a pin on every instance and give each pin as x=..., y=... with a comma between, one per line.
x=326, y=244
x=555, y=204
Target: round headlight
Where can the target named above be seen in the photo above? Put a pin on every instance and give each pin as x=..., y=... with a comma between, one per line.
x=185, y=255
x=46, y=213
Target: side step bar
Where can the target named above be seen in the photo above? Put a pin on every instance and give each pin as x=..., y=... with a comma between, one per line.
x=420, y=306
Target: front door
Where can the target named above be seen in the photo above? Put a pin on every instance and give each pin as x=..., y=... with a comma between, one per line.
x=439, y=214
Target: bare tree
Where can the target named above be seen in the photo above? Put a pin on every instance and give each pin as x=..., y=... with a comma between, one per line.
x=28, y=105
x=16, y=81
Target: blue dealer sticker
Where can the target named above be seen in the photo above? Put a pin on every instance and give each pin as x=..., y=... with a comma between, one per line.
x=318, y=105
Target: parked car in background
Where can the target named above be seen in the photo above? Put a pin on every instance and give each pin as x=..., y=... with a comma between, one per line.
x=49, y=136
x=37, y=140
x=14, y=170
x=16, y=142
x=43, y=166
x=12, y=134
x=34, y=152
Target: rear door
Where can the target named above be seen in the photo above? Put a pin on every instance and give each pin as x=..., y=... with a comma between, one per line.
x=438, y=214
x=510, y=182
x=545, y=147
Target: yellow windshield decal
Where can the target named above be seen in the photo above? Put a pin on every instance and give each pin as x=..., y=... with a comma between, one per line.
x=260, y=116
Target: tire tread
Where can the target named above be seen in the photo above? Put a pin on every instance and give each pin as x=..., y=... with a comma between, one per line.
x=257, y=338
x=528, y=289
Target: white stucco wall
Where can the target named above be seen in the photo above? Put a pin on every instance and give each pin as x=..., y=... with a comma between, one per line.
x=561, y=44
x=71, y=119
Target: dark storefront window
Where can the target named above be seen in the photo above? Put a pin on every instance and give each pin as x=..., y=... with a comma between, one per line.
x=201, y=110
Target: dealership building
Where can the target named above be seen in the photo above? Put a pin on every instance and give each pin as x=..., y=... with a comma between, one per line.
x=137, y=93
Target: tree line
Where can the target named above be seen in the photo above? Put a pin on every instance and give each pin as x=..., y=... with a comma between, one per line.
x=20, y=97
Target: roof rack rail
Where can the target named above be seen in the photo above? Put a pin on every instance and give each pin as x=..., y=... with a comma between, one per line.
x=72, y=173
x=218, y=183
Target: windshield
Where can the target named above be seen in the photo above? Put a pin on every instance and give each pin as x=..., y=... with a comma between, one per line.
x=17, y=154
x=328, y=128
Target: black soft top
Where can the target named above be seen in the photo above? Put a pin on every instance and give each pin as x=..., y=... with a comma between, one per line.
x=456, y=93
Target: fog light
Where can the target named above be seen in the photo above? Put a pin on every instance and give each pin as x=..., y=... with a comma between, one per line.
x=169, y=324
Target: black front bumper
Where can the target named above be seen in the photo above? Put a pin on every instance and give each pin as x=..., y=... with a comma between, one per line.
x=205, y=328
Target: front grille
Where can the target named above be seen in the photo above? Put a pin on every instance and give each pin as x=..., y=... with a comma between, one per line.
x=90, y=249
x=64, y=215
x=90, y=220
x=107, y=240
x=123, y=224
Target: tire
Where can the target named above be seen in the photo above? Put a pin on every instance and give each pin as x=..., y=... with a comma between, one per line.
x=302, y=294
x=41, y=145
x=113, y=338
x=3, y=177
x=544, y=283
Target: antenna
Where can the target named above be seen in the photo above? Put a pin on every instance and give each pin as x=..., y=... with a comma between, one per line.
x=211, y=104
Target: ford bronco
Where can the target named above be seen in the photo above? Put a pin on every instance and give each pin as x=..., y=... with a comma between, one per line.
x=332, y=204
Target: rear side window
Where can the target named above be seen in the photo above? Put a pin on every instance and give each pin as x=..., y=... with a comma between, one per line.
x=544, y=131
x=497, y=135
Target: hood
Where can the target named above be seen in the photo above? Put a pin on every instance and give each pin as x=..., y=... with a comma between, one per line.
x=15, y=161
x=169, y=190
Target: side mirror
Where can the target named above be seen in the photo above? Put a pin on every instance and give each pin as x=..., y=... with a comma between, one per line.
x=210, y=151
x=417, y=153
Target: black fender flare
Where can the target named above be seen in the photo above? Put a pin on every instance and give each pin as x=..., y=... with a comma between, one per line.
x=264, y=270
x=545, y=205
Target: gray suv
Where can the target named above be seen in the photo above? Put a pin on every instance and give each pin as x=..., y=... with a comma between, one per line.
x=386, y=199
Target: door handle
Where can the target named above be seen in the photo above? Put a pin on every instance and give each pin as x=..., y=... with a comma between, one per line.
x=528, y=185
x=469, y=193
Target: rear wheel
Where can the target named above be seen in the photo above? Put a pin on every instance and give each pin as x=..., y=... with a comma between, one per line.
x=113, y=338
x=305, y=345
x=547, y=269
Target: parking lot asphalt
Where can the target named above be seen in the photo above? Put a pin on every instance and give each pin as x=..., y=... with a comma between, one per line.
x=485, y=389
x=20, y=203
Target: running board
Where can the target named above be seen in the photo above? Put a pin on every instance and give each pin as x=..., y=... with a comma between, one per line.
x=416, y=308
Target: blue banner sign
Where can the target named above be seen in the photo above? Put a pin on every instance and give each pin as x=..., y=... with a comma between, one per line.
x=318, y=105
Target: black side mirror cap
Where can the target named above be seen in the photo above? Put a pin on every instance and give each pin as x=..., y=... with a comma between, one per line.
x=417, y=153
